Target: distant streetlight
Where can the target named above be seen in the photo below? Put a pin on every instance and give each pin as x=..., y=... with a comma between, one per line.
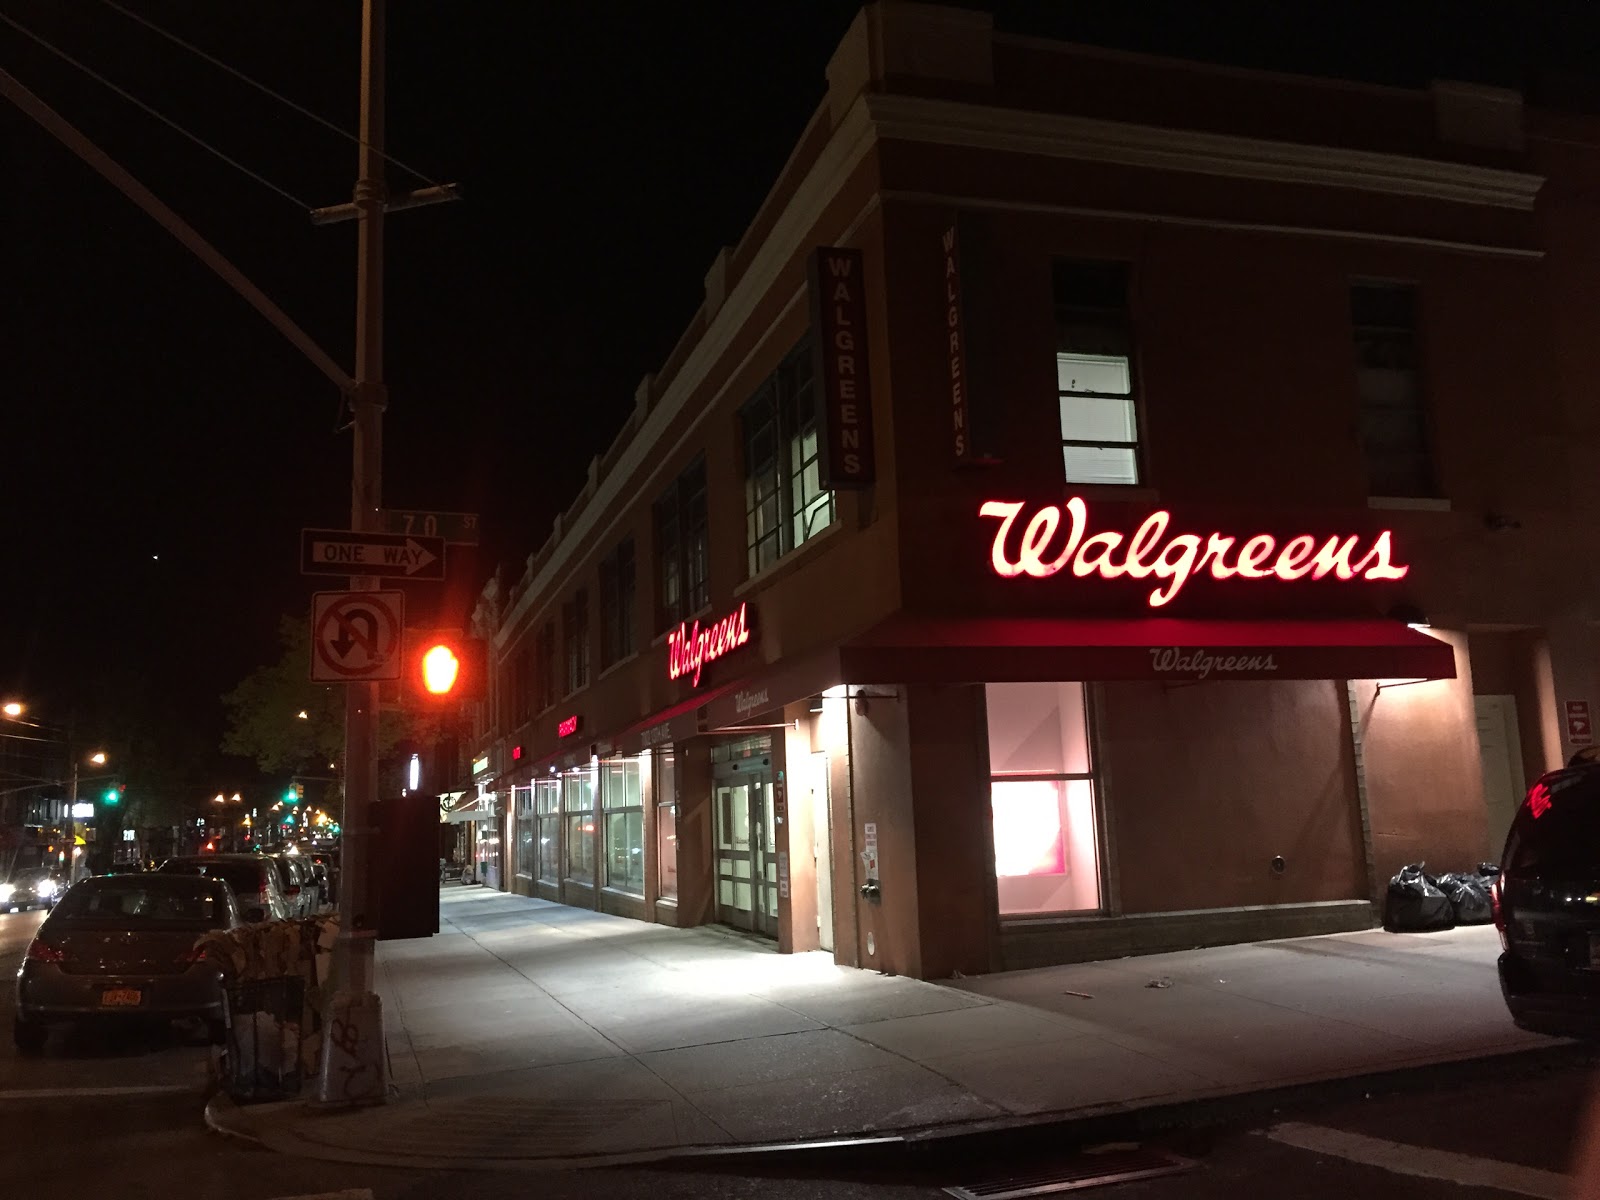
x=302, y=715
x=219, y=798
x=12, y=709
x=98, y=758
x=236, y=798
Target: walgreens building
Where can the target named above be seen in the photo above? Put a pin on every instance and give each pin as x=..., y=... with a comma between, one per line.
x=1103, y=504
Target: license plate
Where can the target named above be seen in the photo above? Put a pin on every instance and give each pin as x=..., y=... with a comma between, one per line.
x=120, y=997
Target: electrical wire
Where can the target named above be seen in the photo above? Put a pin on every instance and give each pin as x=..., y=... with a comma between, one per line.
x=165, y=120
x=264, y=89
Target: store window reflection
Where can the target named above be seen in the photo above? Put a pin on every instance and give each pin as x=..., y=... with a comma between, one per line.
x=666, y=790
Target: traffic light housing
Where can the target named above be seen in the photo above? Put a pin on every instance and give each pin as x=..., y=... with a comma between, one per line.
x=113, y=795
x=445, y=666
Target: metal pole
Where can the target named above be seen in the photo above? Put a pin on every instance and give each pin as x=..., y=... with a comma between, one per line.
x=353, y=1060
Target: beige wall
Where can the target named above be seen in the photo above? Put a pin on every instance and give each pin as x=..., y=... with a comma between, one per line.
x=1424, y=782
x=1205, y=784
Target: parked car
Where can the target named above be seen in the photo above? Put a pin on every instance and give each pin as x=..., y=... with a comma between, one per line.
x=299, y=889
x=30, y=887
x=124, y=868
x=120, y=946
x=1547, y=906
x=253, y=878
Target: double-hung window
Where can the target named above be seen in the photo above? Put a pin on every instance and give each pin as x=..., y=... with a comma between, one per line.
x=522, y=685
x=546, y=668
x=1394, y=420
x=575, y=631
x=683, y=549
x=616, y=604
x=785, y=502
x=1094, y=374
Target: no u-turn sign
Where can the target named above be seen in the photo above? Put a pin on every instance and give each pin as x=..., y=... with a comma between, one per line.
x=356, y=635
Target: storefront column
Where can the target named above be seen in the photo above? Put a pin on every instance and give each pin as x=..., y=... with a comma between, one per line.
x=696, y=834
x=1573, y=655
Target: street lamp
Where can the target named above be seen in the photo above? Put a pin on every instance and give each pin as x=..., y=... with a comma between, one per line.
x=12, y=709
x=98, y=758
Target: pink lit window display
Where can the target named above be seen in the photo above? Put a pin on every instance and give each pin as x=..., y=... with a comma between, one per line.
x=1042, y=796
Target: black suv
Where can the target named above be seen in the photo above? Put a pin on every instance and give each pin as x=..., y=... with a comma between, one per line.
x=1547, y=906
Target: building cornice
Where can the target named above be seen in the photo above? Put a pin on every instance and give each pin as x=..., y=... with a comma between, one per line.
x=1090, y=139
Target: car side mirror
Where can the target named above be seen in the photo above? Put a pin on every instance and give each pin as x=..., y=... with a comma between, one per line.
x=253, y=914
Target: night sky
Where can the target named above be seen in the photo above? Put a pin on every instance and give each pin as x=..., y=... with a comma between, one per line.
x=163, y=445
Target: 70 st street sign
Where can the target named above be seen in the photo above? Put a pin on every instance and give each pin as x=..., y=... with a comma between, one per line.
x=372, y=555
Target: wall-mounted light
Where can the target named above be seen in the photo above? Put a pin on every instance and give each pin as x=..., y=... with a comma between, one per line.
x=1413, y=616
x=414, y=774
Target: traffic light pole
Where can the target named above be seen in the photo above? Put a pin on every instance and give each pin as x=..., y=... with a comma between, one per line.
x=353, y=1061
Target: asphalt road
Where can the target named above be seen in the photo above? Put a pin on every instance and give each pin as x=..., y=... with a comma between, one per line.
x=104, y=1116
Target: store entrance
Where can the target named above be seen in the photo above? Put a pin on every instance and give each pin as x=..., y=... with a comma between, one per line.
x=746, y=860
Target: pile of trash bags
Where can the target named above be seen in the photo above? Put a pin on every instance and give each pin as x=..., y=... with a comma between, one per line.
x=1418, y=902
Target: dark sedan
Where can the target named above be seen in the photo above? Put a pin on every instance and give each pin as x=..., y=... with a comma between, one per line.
x=123, y=946
x=31, y=887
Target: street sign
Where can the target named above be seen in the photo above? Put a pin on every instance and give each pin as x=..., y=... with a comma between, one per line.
x=373, y=555
x=356, y=635
x=458, y=529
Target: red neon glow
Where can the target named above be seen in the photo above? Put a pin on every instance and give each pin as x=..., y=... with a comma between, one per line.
x=690, y=648
x=516, y=753
x=1175, y=558
x=568, y=727
x=1539, y=800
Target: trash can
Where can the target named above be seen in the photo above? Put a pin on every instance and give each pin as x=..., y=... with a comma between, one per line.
x=264, y=1042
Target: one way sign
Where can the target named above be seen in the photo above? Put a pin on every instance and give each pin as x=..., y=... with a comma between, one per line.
x=374, y=555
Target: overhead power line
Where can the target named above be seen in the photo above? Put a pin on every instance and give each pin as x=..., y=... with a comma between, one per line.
x=263, y=88
x=162, y=117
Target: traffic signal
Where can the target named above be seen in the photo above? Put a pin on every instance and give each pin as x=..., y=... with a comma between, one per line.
x=445, y=665
x=295, y=794
x=113, y=796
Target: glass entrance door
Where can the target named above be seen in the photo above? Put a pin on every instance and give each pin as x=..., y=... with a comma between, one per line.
x=747, y=862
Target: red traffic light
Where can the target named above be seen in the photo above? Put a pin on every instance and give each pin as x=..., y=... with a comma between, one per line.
x=444, y=665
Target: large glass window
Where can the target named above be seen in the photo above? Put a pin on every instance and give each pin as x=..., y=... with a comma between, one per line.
x=1394, y=420
x=522, y=805
x=1094, y=374
x=575, y=632
x=578, y=788
x=547, y=801
x=616, y=604
x=785, y=502
x=622, y=798
x=666, y=792
x=1043, y=797
x=683, y=549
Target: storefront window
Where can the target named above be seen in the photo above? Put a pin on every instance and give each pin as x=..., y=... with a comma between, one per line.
x=1042, y=794
x=523, y=807
x=578, y=788
x=666, y=776
x=622, y=797
x=547, y=800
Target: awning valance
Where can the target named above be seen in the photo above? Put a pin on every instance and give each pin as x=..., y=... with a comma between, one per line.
x=913, y=649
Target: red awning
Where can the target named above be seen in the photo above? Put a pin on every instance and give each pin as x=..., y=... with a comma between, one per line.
x=994, y=650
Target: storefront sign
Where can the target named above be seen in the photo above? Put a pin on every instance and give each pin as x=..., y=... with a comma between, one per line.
x=745, y=703
x=480, y=764
x=1580, y=729
x=956, y=347
x=690, y=648
x=1175, y=558
x=568, y=726
x=839, y=346
x=1200, y=663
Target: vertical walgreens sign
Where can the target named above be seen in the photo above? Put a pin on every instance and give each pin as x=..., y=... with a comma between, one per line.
x=839, y=349
x=955, y=331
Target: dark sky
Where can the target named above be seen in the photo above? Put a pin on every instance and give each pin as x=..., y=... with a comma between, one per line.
x=162, y=445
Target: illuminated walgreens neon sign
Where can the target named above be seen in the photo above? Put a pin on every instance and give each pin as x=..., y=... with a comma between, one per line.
x=1175, y=558
x=568, y=726
x=689, y=648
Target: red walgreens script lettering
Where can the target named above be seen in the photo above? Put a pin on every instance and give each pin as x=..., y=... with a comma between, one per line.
x=689, y=649
x=1175, y=558
x=568, y=727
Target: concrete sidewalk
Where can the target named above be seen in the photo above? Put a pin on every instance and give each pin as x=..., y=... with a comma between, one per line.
x=531, y=1032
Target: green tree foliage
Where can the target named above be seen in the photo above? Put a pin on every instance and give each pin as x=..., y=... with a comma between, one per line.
x=263, y=721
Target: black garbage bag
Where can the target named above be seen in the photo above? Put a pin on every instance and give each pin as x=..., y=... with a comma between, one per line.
x=1469, y=898
x=1415, y=903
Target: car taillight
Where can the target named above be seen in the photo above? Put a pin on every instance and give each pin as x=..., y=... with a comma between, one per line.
x=40, y=951
x=292, y=890
x=193, y=954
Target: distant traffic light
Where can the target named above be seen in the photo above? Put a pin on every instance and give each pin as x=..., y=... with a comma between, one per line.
x=444, y=665
x=295, y=794
x=113, y=796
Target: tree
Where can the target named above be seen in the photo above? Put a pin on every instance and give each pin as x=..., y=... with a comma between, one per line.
x=264, y=721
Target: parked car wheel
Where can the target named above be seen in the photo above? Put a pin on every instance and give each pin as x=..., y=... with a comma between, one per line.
x=30, y=1036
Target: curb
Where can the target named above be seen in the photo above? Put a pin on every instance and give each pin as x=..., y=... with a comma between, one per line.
x=918, y=1147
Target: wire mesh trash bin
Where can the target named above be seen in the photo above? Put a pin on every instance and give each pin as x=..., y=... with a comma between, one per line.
x=265, y=1039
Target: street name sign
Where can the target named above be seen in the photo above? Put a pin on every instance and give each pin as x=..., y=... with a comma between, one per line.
x=356, y=636
x=372, y=555
x=456, y=528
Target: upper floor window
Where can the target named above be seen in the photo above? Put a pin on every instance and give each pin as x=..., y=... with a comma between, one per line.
x=683, y=550
x=616, y=604
x=1394, y=421
x=575, y=632
x=1094, y=373
x=522, y=684
x=546, y=668
x=785, y=502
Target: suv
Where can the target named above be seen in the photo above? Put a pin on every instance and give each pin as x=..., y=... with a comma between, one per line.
x=299, y=889
x=251, y=876
x=1547, y=906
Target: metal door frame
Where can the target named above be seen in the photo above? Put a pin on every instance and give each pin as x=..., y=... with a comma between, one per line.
x=756, y=770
